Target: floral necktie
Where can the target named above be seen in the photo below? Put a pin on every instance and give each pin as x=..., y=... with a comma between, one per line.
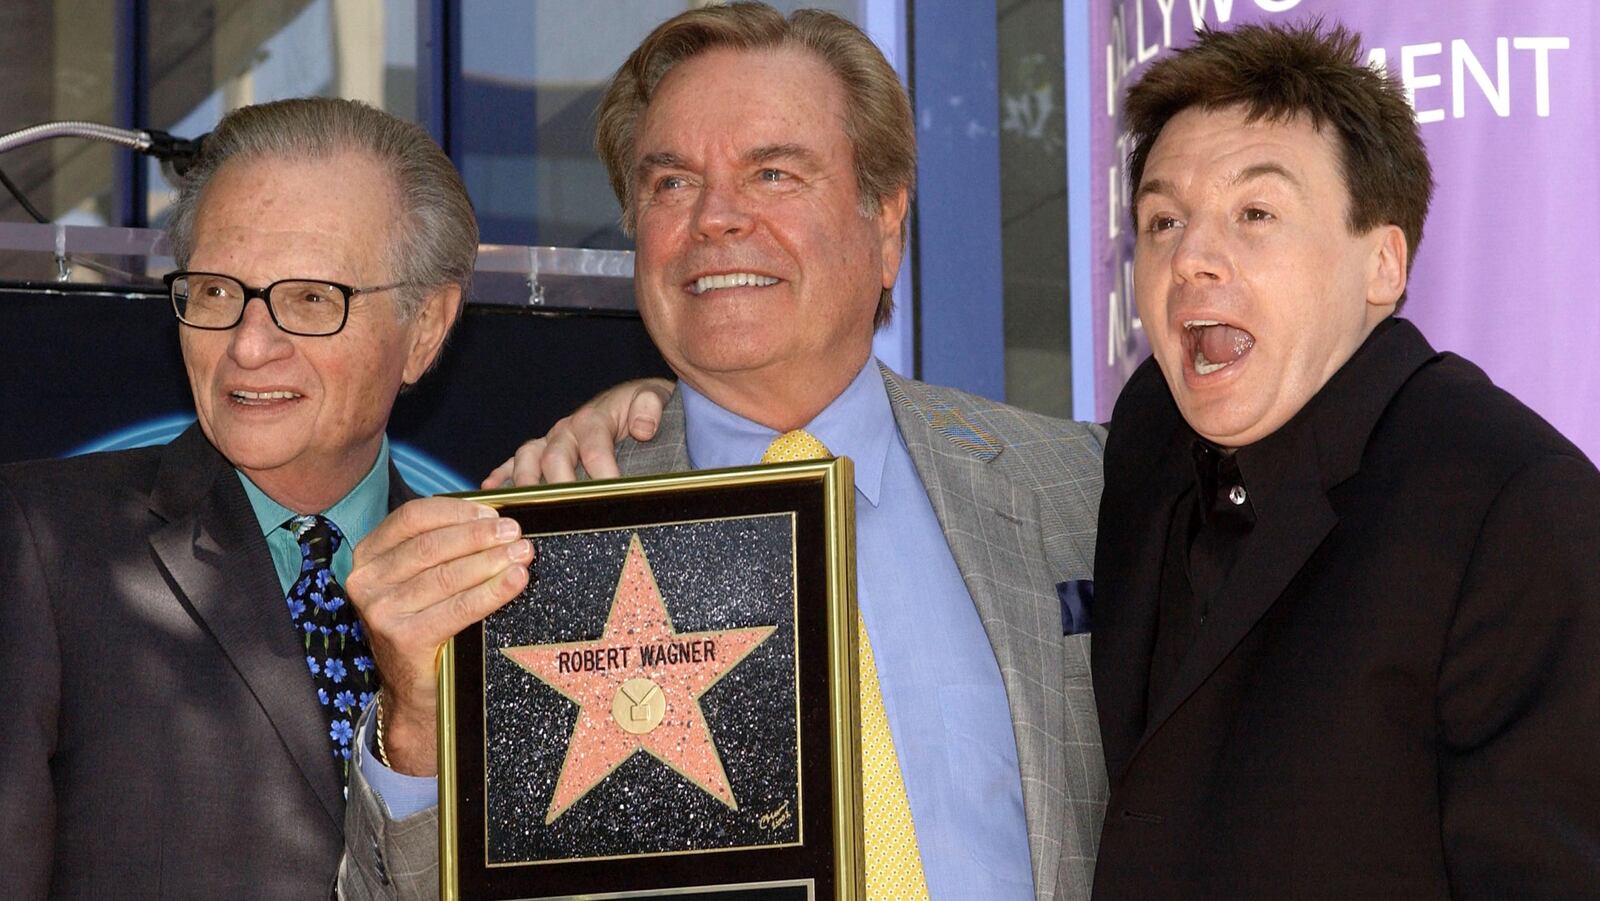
x=336, y=646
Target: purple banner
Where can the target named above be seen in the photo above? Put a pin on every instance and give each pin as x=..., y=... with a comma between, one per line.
x=1506, y=95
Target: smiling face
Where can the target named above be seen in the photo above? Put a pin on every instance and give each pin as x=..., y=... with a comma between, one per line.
x=757, y=274
x=1250, y=285
x=303, y=417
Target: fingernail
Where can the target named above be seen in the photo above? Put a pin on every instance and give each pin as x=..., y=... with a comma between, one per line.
x=483, y=512
x=507, y=529
x=521, y=552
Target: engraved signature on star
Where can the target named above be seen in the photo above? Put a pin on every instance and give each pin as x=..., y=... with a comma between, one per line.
x=776, y=818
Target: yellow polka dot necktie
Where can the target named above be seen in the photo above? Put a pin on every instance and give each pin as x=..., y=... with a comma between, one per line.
x=894, y=867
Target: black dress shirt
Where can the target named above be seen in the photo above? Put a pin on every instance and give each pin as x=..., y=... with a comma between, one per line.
x=1212, y=523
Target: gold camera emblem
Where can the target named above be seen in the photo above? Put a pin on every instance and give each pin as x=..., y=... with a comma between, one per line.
x=638, y=706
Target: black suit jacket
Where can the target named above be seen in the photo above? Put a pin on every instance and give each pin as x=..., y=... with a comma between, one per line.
x=1398, y=691
x=159, y=733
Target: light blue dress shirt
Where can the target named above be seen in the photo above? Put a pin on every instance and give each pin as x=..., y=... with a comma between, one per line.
x=356, y=514
x=941, y=685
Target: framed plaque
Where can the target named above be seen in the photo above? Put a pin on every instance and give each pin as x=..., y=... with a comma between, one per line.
x=668, y=709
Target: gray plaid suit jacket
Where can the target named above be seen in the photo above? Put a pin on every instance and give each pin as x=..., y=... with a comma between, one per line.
x=1017, y=495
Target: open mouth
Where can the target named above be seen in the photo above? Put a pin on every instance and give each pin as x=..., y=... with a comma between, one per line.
x=730, y=280
x=1214, y=346
x=261, y=398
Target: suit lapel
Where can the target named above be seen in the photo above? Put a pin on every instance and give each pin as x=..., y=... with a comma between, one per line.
x=399, y=491
x=983, y=517
x=1126, y=614
x=1289, y=527
x=221, y=569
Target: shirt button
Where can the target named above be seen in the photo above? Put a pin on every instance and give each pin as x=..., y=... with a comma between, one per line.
x=1236, y=495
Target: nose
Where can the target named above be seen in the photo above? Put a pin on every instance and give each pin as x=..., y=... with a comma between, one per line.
x=257, y=340
x=721, y=211
x=1202, y=254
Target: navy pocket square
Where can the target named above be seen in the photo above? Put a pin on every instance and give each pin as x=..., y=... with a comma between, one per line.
x=1077, y=600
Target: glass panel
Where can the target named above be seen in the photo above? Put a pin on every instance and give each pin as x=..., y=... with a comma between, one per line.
x=1033, y=206
x=57, y=62
x=134, y=260
x=206, y=57
x=532, y=74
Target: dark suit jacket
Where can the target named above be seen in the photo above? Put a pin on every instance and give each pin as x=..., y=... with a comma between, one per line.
x=1398, y=691
x=159, y=733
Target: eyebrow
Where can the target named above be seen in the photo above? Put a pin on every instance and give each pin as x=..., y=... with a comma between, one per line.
x=767, y=153
x=660, y=159
x=1261, y=170
x=771, y=152
x=1152, y=186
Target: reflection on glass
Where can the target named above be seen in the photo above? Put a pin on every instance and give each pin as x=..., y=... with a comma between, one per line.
x=532, y=74
x=1033, y=205
x=206, y=57
x=57, y=61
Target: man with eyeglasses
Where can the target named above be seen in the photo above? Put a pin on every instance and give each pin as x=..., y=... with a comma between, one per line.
x=180, y=670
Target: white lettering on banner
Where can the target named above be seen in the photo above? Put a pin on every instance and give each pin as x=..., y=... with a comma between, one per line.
x=1541, y=67
x=1414, y=82
x=1123, y=54
x=1121, y=318
x=1197, y=11
x=1166, y=20
x=1114, y=194
x=1466, y=67
x=1498, y=92
x=1146, y=54
x=1112, y=82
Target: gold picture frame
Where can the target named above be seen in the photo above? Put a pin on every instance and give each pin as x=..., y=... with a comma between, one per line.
x=669, y=710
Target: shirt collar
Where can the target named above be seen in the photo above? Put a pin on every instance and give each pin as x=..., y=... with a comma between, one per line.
x=858, y=424
x=1327, y=435
x=356, y=514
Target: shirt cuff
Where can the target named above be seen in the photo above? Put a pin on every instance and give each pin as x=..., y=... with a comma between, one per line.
x=401, y=795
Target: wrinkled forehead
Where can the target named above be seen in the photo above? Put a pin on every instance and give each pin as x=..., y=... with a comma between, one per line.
x=271, y=182
x=335, y=210
x=747, y=93
x=1206, y=148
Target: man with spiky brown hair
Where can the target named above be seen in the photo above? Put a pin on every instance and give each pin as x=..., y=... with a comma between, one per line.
x=1349, y=591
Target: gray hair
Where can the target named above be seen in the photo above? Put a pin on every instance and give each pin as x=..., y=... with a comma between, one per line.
x=434, y=241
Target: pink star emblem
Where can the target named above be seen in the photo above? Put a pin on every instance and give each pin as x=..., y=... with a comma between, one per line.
x=638, y=687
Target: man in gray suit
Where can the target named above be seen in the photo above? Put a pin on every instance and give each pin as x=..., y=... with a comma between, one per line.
x=168, y=727
x=765, y=166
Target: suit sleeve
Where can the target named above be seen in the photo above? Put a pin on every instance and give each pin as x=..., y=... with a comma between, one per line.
x=30, y=695
x=386, y=858
x=1519, y=694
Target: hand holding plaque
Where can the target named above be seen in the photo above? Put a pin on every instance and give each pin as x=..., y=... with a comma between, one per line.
x=669, y=705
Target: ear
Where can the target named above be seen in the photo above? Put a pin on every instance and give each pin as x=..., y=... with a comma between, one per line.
x=429, y=326
x=891, y=236
x=1386, y=268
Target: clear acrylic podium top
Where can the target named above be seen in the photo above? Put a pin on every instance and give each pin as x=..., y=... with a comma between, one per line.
x=133, y=260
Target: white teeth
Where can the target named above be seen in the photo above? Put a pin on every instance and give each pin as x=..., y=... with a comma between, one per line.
x=731, y=280
x=256, y=397
x=1199, y=323
x=1206, y=367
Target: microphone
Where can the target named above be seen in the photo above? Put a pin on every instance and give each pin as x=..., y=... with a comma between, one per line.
x=179, y=153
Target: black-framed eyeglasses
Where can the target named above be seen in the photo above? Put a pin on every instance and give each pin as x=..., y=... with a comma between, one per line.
x=299, y=306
